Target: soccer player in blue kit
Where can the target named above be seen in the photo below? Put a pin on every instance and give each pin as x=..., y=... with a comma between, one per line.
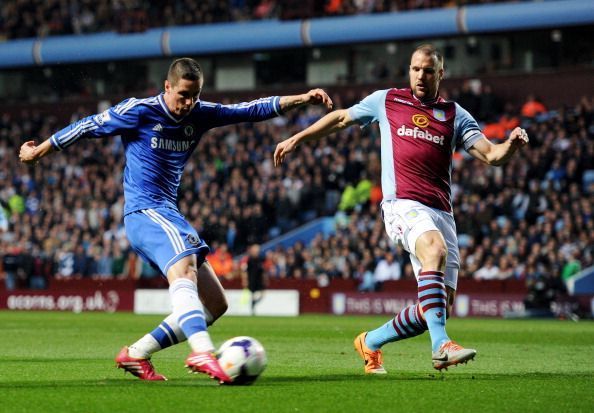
x=159, y=135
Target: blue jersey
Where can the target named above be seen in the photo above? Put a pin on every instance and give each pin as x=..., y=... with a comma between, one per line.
x=157, y=144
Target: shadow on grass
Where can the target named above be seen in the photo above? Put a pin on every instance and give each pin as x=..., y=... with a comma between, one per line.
x=203, y=382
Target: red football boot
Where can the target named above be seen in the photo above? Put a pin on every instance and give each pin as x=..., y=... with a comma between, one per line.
x=207, y=363
x=141, y=368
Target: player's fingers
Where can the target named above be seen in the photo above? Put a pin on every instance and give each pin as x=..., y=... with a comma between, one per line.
x=519, y=136
x=319, y=95
x=277, y=156
x=524, y=136
x=278, y=159
x=325, y=96
x=322, y=97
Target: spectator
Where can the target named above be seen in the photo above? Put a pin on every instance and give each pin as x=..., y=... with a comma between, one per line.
x=532, y=107
x=80, y=265
x=221, y=261
x=10, y=264
x=366, y=279
x=105, y=262
x=571, y=267
x=489, y=271
x=387, y=268
x=66, y=268
x=254, y=276
x=119, y=262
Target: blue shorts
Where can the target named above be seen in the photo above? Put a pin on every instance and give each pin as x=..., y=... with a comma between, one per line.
x=162, y=236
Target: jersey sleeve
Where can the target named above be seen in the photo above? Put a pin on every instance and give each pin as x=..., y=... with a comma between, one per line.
x=466, y=129
x=367, y=111
x=113, y=121
x=254, y=111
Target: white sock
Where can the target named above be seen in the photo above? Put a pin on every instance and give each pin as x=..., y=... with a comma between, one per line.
x=189, y=313
x=144, y=347
x=171, y=320
x=201, y=343
x=148, y=344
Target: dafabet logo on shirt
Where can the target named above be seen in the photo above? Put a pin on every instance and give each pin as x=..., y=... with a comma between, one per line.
x=417, y=133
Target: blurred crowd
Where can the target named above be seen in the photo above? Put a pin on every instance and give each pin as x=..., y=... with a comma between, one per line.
x=531, y=219
x=67, y=211
x=39, y=18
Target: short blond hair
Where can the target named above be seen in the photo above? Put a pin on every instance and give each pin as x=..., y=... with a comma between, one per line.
x=429, y=50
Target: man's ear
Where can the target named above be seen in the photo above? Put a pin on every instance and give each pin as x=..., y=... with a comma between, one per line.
x=167, y=86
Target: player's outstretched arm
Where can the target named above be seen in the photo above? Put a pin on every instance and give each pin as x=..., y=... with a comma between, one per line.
x=31, y=153
x=313, y=97
x=499, y=154
x=332, y=122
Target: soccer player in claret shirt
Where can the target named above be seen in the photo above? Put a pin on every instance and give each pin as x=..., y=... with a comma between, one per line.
x=159, y=135
x=419, y=132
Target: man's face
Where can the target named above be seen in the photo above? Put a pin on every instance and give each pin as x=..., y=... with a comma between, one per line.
x=425, y=75
x=182, y=97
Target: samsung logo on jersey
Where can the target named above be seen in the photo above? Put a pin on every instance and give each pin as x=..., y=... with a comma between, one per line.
x=417, y=133
x=170, y=144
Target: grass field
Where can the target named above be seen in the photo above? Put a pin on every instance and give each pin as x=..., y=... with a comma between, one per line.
x=62, y=362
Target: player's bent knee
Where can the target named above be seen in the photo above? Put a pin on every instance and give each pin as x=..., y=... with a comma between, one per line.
x=189, y=275
x=431, y=249
x=185, y=268
x=437, y=253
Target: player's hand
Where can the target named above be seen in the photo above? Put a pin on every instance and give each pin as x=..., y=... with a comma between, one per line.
x=282, y=149
x=319, y=97
x=518, y=137
x=27, y=153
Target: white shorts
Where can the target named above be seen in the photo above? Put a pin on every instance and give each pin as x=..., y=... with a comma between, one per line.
x=406, y=220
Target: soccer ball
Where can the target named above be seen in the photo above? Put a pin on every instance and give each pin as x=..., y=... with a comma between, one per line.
x=242, y=358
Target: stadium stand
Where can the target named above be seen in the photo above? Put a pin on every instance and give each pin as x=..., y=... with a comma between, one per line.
x=40, y=18
x=530, y=220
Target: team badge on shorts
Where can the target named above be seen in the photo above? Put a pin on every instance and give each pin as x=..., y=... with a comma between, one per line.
x=412, y=214
x=193, y=240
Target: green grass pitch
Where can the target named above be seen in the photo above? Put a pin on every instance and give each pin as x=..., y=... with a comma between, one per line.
x=63, y=362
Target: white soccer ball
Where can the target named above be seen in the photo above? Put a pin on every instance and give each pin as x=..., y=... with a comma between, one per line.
x=243, y=359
